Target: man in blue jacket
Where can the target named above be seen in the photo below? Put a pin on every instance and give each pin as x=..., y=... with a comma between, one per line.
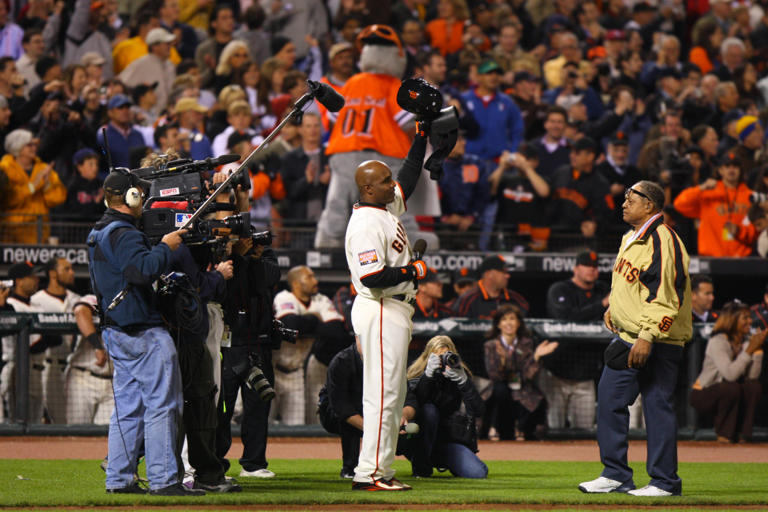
x=499, y=118
x=147, y=381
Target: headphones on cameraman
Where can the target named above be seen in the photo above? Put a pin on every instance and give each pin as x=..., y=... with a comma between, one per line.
x=133, y=196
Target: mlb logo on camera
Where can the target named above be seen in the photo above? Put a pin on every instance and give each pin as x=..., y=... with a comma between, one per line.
x=181, y=219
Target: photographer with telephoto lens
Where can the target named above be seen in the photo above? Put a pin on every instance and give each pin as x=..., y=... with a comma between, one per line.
x=448, y=407
x=247, y=343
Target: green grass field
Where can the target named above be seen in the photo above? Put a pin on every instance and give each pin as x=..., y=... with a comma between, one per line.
x=76, y=483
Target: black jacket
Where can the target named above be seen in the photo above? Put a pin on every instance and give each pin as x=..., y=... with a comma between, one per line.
x=248, y=302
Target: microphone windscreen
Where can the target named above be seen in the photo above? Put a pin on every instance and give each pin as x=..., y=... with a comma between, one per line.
x=412, y=428
x=419, y=247
x=326, y=95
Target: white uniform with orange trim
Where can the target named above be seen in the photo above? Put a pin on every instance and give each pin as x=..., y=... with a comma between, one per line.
x=376, y=238
x=54, y=380
x=290, y=402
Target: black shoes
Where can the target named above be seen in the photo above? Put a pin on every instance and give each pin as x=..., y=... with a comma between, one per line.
x=177, y=490
x=134, y=488
x=347, y=473
x=225, y=486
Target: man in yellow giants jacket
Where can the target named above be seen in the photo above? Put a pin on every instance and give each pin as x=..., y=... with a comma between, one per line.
x=650, y=314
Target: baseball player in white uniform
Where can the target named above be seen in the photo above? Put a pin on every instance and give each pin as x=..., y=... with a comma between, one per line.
x=89, y=373
x=383, y=272
x=25, y=285
x=300, y=307
x=56, y=298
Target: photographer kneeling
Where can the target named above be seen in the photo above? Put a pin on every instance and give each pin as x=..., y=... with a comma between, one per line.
x=447, y=437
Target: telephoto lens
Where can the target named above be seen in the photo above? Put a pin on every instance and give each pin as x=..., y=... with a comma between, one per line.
x=258, y=382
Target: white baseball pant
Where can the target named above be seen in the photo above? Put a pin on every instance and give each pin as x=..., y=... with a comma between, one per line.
x=384, y=330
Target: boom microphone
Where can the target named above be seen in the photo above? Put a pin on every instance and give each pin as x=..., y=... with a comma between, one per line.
x=326, y=95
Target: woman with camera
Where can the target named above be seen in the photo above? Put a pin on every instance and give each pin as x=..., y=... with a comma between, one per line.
x=518, y=408
x=447, y=437
x=728, y=384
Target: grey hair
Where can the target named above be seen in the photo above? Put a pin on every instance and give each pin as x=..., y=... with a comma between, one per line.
x=654, y=191
x=731, y=41
x=16, y=140
x=722, y=88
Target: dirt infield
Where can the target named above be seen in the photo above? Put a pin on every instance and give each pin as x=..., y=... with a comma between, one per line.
x=328, y=448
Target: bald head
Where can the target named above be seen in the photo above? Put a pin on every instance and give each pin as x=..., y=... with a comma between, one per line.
x=374, y=181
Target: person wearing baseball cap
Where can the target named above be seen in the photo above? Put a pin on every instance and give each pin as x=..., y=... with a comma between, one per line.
x=18, y=299
x=85, y=196
x=499, y=119
x=721, y=205
x=341, y=66
x=121, y=134
x=580, y=197
x=489, y=292
x=123, y=266
x=569, y=373
x=617, y=170
x=428, y=297
x=156, y=65
x=190, y=115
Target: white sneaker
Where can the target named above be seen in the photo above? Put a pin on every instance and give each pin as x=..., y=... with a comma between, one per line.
x=604, y=485
x=650, y=490
x=259, y=473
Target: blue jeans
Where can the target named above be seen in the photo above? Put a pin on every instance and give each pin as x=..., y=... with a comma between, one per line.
x=148, y=405
x=617, y=390
x=428, y=451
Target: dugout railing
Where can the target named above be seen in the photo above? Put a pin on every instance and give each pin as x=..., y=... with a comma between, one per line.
x=468, y=334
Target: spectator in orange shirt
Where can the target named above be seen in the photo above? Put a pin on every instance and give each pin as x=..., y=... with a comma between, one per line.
x=722, y=206
x=447, y=30
x=704, y=52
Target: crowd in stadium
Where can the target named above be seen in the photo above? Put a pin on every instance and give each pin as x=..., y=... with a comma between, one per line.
x=563, y=105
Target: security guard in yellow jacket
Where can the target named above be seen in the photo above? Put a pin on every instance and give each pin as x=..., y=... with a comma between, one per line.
x=650, y=313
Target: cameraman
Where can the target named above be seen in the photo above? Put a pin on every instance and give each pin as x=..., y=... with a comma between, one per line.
x=197, y=364
x=448, y=438
x=248, y=341
x=147, y=382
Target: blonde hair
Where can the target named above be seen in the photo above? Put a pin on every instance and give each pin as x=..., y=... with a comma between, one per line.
x=230, y=94
x=433, y=345
x=224, y=67
x=238, y=107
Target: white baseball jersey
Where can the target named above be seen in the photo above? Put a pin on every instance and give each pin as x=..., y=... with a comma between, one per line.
x=376, y=239
x=48, y=303
x=292, y=355
x=83, y=356
x=54, y=379
x=9, y=342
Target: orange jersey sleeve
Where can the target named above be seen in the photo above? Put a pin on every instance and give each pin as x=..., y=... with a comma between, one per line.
x=371, y=118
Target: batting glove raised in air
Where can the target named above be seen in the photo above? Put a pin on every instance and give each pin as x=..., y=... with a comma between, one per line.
x=419, y=269
x=433, y=364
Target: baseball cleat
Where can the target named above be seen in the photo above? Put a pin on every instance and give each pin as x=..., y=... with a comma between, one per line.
x=605, y=485
x=652, y=490
x=393, y=484
x=258, y=473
